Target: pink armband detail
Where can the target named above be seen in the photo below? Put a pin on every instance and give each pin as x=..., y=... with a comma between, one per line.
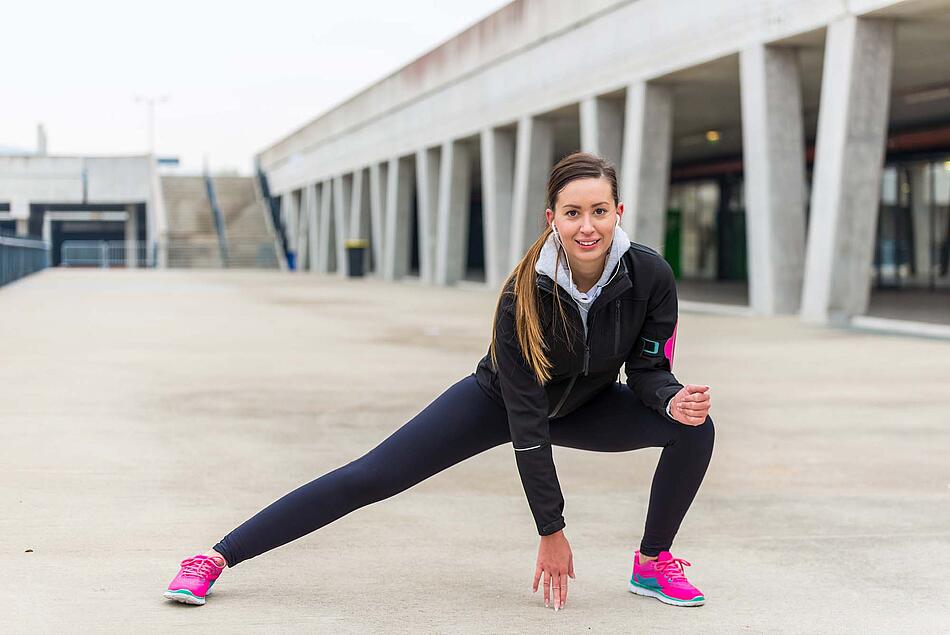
x=670, y=345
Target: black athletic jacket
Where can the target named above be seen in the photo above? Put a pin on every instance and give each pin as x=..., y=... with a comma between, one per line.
x=628, y=324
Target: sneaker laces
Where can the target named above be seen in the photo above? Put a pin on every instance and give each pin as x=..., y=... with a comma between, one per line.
x=198, y=568
x=673, y=569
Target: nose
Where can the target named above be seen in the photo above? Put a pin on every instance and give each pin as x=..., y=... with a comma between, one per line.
x=587, y=226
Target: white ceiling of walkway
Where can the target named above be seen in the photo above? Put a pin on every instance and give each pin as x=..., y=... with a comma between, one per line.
x=707, y=96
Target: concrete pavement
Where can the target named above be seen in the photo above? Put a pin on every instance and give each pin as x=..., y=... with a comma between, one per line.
x=145, y=414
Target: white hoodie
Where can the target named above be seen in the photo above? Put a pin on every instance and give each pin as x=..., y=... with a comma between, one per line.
x=547, y=262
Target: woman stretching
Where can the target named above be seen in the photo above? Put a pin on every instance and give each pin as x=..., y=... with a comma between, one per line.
x=582, y=302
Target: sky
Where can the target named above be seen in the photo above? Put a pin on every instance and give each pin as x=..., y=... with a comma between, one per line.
x=237, y=76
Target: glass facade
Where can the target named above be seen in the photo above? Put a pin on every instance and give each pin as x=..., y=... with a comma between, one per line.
x=706, y=240
x=913, y=233
x=705, y=235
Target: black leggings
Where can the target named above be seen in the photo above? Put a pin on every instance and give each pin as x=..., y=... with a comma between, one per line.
x=465, y=421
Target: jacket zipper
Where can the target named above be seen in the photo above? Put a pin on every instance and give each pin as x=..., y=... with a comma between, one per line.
x=586, y=371
x=570, y=386
x=567, y=391
x=617, y=327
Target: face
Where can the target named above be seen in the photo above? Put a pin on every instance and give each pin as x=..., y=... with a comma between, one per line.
x=585, y=217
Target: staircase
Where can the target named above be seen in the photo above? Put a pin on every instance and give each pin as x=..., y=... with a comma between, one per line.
x=250, y=243
x=192, y=238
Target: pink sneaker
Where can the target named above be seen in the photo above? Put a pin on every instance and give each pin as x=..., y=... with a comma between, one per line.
x=664, y=580
x=194, y=580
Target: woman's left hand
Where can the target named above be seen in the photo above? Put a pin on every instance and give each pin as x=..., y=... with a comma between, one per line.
x=691, y=405
x=556, y=564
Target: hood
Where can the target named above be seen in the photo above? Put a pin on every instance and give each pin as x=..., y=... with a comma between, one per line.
x=548, y=258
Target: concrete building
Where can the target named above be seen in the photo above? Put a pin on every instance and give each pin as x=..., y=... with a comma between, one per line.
x=120, y=211
x=61, y=198
x=798, y=149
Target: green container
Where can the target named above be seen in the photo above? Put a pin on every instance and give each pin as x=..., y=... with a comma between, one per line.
x=671, y=243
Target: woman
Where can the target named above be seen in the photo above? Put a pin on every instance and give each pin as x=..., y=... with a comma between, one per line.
x=583, y=302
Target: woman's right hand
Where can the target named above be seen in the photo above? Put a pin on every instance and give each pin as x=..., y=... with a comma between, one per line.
x=691, y=405
x=556, y=564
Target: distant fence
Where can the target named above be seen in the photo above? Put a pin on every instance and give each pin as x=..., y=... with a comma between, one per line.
x=20, y=257
x=107, y=254
x=104, y=254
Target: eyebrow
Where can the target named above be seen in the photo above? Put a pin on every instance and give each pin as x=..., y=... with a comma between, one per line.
x=578, y=206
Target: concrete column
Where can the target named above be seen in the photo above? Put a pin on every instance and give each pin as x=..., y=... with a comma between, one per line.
x=313, y=227
x=849, y=154
x=354, y=222
x=360, y=223
x=534, y=156
x=602, y=128
x=399, y=192
x=132, y=237
x=454, y=208
x=303, y=230
x=590, y=139
x=773, y=147
x=920, y=214
x=298, y=230
x=342, y=199
x=327, y=233
x=645, y=168
x=359, y=214
x=498, y=166
x=377, y=206
x=427, y=198
x=20, y=211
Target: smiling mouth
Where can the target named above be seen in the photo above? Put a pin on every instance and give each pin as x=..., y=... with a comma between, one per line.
x=587, y=243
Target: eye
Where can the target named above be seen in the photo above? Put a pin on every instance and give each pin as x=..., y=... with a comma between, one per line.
x=600, y=210
x=571, y=213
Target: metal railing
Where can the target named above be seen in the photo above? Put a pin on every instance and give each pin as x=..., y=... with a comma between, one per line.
x=273, y=206
x=178, y=254
x=20, y=257
x=218, y=218
x=103, y=254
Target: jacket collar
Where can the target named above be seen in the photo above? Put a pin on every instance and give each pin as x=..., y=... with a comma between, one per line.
x=553, y=263
x=618, y=285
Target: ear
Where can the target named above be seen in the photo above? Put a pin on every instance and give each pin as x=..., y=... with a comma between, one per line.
x=620, y=210
x=549, y=215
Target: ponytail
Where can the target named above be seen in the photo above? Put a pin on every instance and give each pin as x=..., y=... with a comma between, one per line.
x=522, y=284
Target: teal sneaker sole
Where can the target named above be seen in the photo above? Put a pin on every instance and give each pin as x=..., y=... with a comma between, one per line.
x=639, y=589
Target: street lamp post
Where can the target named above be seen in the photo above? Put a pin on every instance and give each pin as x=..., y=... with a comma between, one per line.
x=150, y=103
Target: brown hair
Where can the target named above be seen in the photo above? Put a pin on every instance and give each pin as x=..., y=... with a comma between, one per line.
x=522, y=283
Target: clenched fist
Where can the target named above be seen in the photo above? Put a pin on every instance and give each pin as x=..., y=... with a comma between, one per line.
x=691, y=405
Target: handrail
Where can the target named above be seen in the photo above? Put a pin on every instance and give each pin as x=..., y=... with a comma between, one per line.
x=218, y=219
x=18, y=241
x=274, y=209
x=20, y=257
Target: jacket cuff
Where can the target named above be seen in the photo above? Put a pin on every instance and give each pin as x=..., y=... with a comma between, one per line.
x=666, y=397
x=669, y=403
x=551, y=528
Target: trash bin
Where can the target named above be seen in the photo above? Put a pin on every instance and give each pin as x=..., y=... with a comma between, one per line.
x=356, y=256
